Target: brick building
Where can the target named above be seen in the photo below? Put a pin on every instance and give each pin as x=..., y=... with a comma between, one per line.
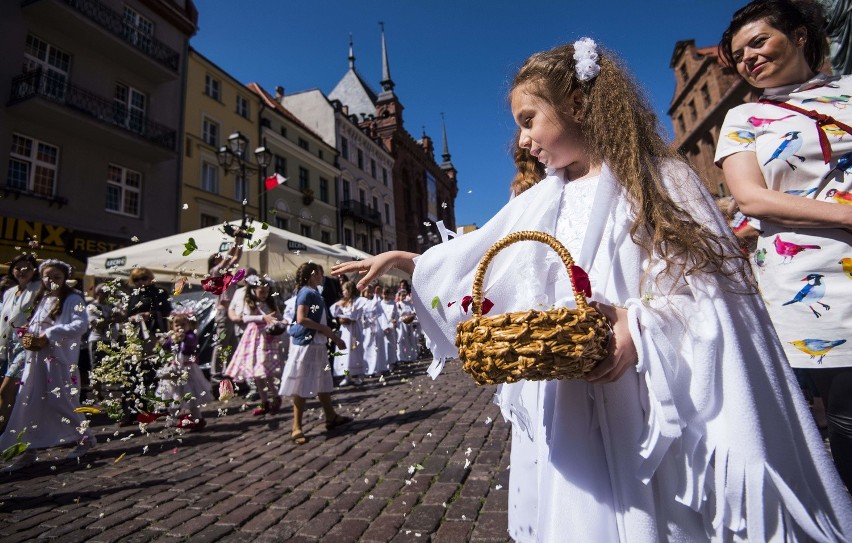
x=705, y=90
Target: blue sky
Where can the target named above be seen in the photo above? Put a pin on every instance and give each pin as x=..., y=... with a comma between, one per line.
x=450, y=56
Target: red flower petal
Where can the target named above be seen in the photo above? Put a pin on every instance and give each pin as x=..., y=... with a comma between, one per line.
x=466, y=301
x=451, y=303
x=486, y=306
x=580, y=280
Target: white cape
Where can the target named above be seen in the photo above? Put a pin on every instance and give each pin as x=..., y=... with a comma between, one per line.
x=711, y=424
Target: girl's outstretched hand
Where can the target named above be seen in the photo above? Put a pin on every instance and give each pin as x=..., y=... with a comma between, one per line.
x=622, y=351
x=376, y=266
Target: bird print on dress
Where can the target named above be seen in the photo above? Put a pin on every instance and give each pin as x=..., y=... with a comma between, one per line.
x=839, y=196
x=817, y=347
x=839, y=102
x=758, y=122
x=847, y=266
x=788, y=148
x=801, y=192
x=843, y=164
x=743, y=137
x=788, y=249
x=834, y=130
x=811, y=294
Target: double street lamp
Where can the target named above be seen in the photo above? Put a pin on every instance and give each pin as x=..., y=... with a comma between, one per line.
x=234, y=159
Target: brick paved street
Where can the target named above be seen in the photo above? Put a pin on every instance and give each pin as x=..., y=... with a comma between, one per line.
x=242, y=479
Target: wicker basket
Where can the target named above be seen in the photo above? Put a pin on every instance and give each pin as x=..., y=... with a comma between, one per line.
x=32, y=342
x=559, y=343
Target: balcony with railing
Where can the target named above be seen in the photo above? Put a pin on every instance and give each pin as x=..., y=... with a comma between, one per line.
x=360, y=212
x=38, y=84
x=113, y=22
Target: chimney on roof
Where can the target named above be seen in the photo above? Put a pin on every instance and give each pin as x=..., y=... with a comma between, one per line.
x=279, y=92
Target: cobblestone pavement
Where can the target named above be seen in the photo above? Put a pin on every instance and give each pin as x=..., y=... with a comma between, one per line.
x=423, y=461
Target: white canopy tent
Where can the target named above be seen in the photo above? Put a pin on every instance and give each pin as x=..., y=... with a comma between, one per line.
x=271, y=251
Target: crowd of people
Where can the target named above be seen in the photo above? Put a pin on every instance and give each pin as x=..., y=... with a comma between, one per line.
x=692, y=428
x=144, y=361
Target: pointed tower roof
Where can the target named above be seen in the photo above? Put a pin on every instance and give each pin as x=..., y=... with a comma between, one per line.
x=353, y=90
x=446, y=154
x=386, y=82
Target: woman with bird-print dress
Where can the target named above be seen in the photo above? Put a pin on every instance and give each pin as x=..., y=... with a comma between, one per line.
x=788, y=162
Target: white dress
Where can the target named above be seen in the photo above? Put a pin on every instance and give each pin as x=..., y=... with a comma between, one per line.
x=709, y=439
x=351, y=359
x=406, y=347
x=392, y=337
x=805, y=274
x=307, y=372
x=182, y=376
x=373, y=325
x=50, y=385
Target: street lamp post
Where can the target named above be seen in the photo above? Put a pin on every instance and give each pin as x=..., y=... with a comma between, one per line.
x=233, y=158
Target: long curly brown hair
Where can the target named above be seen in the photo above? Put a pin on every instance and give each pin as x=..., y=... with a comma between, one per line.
x=621, y=130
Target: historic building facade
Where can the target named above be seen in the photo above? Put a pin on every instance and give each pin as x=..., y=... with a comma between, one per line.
x=217, y=105
x=705, y=89
x=365, y=184
x=91, y=140
x=423, y=190
x=307, y=203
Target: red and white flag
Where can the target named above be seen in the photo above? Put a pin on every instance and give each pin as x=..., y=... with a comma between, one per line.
x=274, y=180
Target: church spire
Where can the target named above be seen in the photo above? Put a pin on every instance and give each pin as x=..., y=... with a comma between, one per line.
x=446, y=154
x=351, y=54
x=386, y=82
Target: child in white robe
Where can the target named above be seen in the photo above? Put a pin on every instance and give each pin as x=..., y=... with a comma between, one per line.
x=44, y=415
x=692, y=428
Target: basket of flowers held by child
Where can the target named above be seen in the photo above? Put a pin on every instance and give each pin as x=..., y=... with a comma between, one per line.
x=558, y=343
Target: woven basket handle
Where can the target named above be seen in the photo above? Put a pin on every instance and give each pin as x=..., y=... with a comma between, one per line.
x=514, y=237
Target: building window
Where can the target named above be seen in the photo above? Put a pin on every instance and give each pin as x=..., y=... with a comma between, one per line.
x=209, y=220
x=209, y=177
x=362, y=197
x=684, y=75
x=281, y=165
x=325, y=237
x=282, y=223
x=242, y=107
x=129, y=106
x=303, y=143
x=347, y=236
x=347, y=191
x=390, y=246
x=705, y=94
x=56, y=65
x=210, y=132
x=360, y=159
x=323, y=190
x=33, y=166
x=321, y=155
x=212, y=87
x=387, y=213
x=385, y=176
x=123, y=190
x=373, y=168
x=304, y=179
x=692, y=112
x=283, y=131
x=137, y=29
x=344, y=147
x=681, y=124
x=377, y=246
x=305, y=230
x=364, y=243
x=375, y=203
